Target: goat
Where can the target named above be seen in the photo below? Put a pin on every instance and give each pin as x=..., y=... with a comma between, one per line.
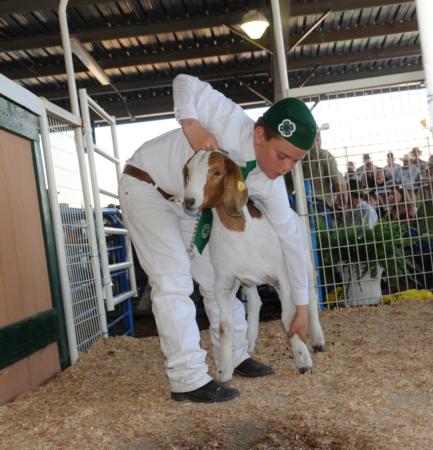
x=244, y=251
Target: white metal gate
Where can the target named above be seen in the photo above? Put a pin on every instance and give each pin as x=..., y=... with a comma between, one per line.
x=87, y=104
x=73, y=222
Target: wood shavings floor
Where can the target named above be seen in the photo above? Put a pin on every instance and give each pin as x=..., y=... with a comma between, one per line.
x=372, y=389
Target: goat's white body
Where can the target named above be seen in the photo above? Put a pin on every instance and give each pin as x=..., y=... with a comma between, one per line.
x=253, y=256
x=249, y=258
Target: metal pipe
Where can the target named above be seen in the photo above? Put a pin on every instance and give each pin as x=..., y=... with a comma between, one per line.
x=64, y=31
x=128, y=246
x=101, y=112
x=310, y=30
x=59, y=237
x=424, y=12
x=298, y=177
x=106, y=277
x=280, y=50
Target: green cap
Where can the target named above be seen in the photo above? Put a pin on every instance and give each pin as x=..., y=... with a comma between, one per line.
x=293, y=121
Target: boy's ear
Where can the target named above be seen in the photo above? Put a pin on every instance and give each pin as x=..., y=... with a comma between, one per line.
x=235, y=189
x=259, y=135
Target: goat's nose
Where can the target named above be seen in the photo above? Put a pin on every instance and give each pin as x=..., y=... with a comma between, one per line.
x=188, y=202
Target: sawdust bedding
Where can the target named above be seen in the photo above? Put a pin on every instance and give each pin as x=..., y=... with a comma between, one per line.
x=372, y=389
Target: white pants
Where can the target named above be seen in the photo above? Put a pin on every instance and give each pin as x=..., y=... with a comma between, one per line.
x=161, y=233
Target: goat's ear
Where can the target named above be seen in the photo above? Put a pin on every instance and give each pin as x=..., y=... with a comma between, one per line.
x=235, y=189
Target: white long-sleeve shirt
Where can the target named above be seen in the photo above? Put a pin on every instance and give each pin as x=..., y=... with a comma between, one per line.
x=164, y=157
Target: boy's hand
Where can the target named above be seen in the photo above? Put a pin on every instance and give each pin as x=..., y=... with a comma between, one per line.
x=299, y=325
x=198, y=137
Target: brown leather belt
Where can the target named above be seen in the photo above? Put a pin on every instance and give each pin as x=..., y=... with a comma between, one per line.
x=144, y=176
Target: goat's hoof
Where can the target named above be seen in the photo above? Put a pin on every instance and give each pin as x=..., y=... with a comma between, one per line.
x=319, y=348
x=303, y=370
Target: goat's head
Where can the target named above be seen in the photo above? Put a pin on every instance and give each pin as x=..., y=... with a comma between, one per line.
x=211, y=179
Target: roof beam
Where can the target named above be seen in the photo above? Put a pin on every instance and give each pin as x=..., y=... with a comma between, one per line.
x=293, y=64
x=313, y=8
x=155, y=82
x=126, y=31
x=133, y=60
x=147, y=29
x=162, y=107
x=257, y=70
x=298, y=9
x=325, y=37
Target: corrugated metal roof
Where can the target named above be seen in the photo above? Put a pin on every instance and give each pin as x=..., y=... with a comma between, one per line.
x=143, y=44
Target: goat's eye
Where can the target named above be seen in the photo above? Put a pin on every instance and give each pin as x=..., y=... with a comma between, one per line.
x=217, y=173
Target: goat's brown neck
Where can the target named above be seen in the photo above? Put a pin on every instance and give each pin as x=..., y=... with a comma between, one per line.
x=230, y=222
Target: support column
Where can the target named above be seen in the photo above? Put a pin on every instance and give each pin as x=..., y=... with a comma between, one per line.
x=279, y=17
x=424, y=12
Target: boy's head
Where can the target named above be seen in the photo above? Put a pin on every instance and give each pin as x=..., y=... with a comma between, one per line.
x=293, y=121
x=283, y=135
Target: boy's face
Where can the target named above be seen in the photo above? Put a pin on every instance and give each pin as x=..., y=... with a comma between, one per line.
x=275, y=156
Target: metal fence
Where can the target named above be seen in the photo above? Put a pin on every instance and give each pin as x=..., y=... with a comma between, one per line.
x=88, y=312
x=369, y=187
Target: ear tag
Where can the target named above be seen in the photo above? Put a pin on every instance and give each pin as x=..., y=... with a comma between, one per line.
x=241, y=186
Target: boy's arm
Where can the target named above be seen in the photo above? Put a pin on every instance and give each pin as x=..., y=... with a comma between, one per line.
x=203, y=112
x=294, y=244
x=199, y=138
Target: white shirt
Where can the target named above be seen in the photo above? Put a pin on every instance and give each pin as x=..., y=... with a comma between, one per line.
x=164, y=157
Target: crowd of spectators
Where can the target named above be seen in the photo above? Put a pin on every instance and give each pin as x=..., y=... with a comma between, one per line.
x=399, y=191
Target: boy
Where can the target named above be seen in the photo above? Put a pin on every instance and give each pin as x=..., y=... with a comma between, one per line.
x=162, y=232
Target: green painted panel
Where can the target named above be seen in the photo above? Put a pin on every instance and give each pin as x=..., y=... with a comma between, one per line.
x=51, y=255
x=21, y=339
x=17, y=119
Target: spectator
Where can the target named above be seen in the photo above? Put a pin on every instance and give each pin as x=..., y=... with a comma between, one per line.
x=360, y=212
x=320, y=168
x=368, y=178
x=402, y=206
x=362, y=169
x=392, y=169
x=416, y=161
x=408, y=175
x=351, y=172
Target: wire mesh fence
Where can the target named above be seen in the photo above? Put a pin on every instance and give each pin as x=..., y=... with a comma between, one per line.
x=369, y=183
x=86, y=314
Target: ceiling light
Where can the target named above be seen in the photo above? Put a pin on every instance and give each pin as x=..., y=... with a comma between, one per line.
x=254, y=24
x=87, y=59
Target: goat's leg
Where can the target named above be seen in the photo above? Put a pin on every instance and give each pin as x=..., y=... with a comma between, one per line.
x=301, y=354
x=224, y=294
x=315, y=329
x=254, y=304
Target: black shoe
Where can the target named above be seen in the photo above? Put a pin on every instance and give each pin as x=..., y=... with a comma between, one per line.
x=252, y=368
x=211, y=392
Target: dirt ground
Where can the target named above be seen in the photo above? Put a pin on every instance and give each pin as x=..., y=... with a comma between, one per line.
x=372, y=389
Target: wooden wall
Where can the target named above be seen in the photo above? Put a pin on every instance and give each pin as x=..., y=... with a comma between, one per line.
x=24, y=279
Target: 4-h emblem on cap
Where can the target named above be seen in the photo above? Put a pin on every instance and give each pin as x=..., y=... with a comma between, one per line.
x=286, y=128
